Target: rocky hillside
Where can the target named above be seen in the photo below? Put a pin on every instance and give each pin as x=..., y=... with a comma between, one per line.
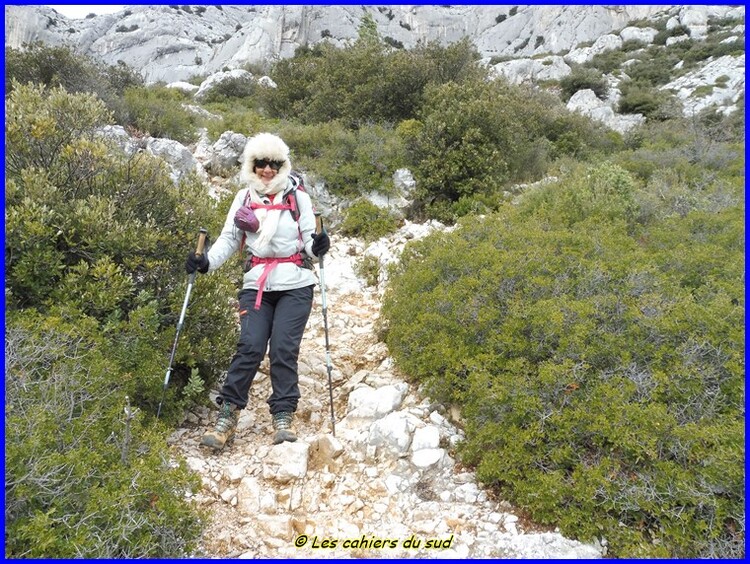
x=542, y=45
x=170, y=43
x=388, y=476
x=390, y=473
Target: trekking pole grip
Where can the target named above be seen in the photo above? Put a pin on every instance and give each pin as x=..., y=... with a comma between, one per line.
x=318, y=223
x=201, y=241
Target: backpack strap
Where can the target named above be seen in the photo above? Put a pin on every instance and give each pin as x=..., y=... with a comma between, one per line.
x=270, y=263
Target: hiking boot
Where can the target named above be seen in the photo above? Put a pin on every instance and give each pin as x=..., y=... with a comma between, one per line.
x=282, y=424
x=225, y=427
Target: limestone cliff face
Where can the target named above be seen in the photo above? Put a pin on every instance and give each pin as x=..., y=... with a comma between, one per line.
x=173, y=43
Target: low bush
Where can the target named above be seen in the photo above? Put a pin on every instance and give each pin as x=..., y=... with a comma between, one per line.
x=158, y=112
x=652, y=70
x=607, y=62
x=581, y=79
x=472, y=139
x=60, y=65
x=648, y=101
x=94, y=254
x=235, y=116
x=231, y=90
x=107, y=235
x=597, y=355
x=664, y=34
x=368, y=268
x=705, y=50
x=366, y=220
x=349, y=162
x=86, y=474
x=364, y=83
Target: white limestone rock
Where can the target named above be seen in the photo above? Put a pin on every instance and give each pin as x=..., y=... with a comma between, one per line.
x=602, y=44
x=117, y=135
x=325, y=450
x=393, y=432
x=427, y=437
x=724, y=96
x=225, y=153
x=643, y=34
x=183, y=86
x=521, y=71
x=427, y=457
x=286, y=462
x=366, y=402
x=170, y=44
x=586, y=102
x=179, y=158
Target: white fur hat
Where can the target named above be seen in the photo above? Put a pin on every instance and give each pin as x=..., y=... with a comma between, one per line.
x=265, y=146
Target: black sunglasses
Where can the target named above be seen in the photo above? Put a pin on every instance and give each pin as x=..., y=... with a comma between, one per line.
x=263, y=163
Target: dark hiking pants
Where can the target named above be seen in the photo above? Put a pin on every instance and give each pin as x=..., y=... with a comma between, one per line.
x=277, y=326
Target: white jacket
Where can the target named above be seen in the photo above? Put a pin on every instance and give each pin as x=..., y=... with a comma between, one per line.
x=291, y=237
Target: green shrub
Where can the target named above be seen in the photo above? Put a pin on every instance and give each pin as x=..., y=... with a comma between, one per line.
x=703, y=90
x=581, y=79
x=578, y=348
x=645, y=100
x=476, y=137
x=349, y=162
x=368, y=268
x=471, y=136
x=94, y=254
x=60, y=66
x=366, y=220
x=84, y=478
x=705, y=50
x=365, y=82
x=158, y=112
x=652, y=71
x=605, y=192
x=608, y=61
x=721, y=81
x=235, y=116
x=664, y=34
x=106, y=234
x=632, y=45
x=231, y=90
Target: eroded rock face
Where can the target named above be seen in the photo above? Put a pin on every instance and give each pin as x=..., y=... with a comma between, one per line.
x=388, y=474
x=173, y=43
x=723, y=83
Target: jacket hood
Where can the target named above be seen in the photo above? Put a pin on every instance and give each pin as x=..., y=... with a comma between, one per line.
x=265, y=146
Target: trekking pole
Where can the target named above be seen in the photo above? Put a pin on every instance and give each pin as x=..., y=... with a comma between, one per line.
x=318, y=230
x=191, y=280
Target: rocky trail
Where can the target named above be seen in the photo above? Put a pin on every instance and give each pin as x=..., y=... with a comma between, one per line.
x=386, y=486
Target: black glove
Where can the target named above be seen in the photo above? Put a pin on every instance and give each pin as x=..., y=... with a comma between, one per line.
x=196, y=262
x=321, y=244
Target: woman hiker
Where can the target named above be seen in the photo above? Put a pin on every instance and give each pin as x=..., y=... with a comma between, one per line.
x=274, y=221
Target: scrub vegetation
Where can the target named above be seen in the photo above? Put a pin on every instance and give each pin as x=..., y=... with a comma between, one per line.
x=590, y=327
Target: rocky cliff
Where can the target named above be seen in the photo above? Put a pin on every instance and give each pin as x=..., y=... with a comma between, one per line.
x=170, y=43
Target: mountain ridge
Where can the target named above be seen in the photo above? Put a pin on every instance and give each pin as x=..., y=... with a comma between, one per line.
x=170, y=43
